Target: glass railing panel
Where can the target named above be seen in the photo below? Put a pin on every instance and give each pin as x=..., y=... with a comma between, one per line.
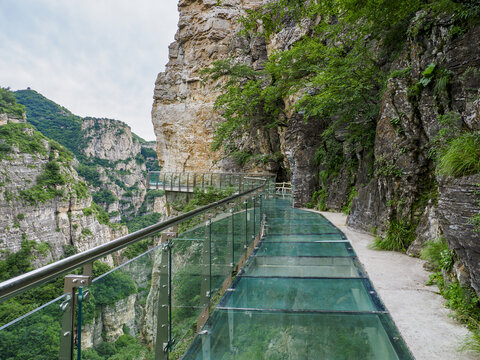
x=304, y=267
x=305, y=249
x=119, y=313
x=240, y=233
x=35, y=335
x=190, y=288
x=234, y=334
x=222, y=250
x=300, y=294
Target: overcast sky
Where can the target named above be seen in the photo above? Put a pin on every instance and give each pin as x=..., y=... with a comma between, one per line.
x=95, y=57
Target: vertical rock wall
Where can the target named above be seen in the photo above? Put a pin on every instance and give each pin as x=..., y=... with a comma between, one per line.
x=182, y=114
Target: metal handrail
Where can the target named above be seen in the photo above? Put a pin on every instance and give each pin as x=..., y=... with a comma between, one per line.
x=19, y=284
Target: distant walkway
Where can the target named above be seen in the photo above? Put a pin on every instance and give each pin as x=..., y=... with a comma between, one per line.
x=417, y=309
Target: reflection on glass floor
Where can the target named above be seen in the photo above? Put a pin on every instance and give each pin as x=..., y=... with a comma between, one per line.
x=300, y=297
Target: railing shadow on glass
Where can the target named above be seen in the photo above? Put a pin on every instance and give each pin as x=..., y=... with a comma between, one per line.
x=153, y=304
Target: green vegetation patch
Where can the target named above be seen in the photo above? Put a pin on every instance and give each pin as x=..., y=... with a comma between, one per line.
x=398, y=237
x=8, y=104
x=460, y=298
x=461, y=156
x=24, y=137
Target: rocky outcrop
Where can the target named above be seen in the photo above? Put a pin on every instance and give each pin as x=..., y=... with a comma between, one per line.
x=182, y=114
x=405, y=184
x=458, y=203
x=9, y=118
x=121, y=166
x=29, y=213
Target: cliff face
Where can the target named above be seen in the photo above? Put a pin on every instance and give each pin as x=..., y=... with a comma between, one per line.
x=182, y=114
x=121, y=167
x=405, y=184
x=395, y=182
x=111, y=159
x=43, y=200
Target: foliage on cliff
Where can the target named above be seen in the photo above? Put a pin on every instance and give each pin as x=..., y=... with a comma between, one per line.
x=52, y=120
x=8, y=104
x=58, y=123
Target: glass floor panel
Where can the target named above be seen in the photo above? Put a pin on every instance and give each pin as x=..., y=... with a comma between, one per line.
x=234, y=334
x=301, y=294
x=306, y=238
x=301, y=229
x=305, y=249
x=298, y=221
x=303, y=267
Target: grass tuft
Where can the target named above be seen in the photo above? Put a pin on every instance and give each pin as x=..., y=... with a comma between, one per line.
x=461, y=157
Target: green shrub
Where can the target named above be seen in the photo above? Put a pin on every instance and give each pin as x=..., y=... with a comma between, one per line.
x=398, y=237
x=8, y=104
x=437, y=253
x=104, y=196
x=24, y=137
x=318, y=199
x=461, y=157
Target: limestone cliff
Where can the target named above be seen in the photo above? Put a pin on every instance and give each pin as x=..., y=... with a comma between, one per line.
x=182, y=114
x=435, y=80
x=43, y=200
x=111, y=159
x=121, y=167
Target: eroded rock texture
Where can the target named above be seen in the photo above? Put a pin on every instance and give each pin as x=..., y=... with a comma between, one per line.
x=112, y=142
x=405, y=185
x=182, y=114
x=395, y=182
x=65, y=220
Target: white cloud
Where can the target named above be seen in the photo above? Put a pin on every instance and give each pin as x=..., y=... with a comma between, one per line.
x=95, y=57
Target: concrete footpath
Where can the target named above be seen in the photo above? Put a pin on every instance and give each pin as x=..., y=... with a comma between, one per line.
x=418, y=310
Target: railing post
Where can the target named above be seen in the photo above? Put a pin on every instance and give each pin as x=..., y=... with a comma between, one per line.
x=71, y=284
x=162, y=344
x=203, y=181
x=194, y=180
x=164, y=181
x=66, y=337
x=206, y=285
x=254, y=219
x=246, y=225
x=231, y=238
x=188, y=181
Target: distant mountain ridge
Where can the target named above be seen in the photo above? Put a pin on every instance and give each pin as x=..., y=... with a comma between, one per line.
x=112, y=160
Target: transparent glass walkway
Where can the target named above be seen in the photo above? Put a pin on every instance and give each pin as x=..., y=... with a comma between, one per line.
x=301, y=295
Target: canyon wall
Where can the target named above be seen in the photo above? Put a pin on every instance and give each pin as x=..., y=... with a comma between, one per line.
x=182, y=113
x=395, y=183
x=43, y=200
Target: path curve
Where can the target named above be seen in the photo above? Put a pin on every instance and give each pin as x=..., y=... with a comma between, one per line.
x=418, y=310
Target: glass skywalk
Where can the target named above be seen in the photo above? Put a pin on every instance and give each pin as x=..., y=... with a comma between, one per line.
x=301, y=295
